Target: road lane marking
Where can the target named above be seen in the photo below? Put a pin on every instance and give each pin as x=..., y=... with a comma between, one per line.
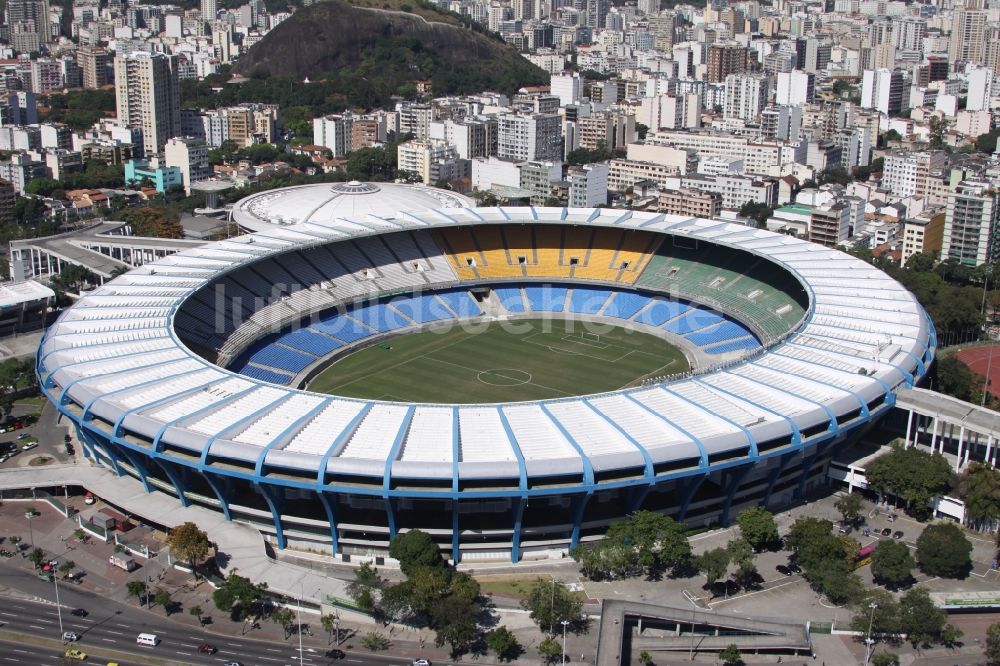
x=35, y=626
x=109, y=640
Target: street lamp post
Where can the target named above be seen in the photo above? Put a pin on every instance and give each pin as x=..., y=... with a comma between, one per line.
x=565, y=623
x=868, y=641
x=298, y=621
x=31, y=534
x=55, y=579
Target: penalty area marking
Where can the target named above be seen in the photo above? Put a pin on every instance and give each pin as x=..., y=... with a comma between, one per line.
x=504, y=377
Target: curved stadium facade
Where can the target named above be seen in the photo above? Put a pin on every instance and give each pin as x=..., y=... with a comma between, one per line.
x=185, y=374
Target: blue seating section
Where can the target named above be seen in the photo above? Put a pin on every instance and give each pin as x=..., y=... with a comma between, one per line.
x=265, y=375
x=733, y=345
x=380, y=317
x=422, y=309
x=662, y=311
x=585, y=300
x=547, y=298
x=281, y=358
x=510, y=298
x=624, y=305
x=692, y=321
x=461, y=302
x=309, y=342
x=727, y=330
x=343, y=328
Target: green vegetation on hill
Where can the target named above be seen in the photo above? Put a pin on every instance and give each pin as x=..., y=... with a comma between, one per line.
x=361, y=57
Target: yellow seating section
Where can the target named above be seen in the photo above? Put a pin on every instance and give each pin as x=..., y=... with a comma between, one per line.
x=511, y=251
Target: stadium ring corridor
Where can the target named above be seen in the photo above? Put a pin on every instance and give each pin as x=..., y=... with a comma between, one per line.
x=137, y=366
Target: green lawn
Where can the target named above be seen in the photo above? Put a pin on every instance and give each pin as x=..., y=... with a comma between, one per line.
x=502, y=362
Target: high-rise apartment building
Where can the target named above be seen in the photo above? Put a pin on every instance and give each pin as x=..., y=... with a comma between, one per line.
x=905, y=173
x=884, y=90
x=795, y=88
x=971, y=223
x=148, y=96
x=208, y=10
x=746, y=96
x=522, y=137
x=968, y=34
x=725, y=59
x=93, y=62
x=190, y=155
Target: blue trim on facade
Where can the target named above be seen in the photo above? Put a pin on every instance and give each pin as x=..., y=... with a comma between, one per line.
x=642, y=450
x=522, y=469
x=338, y=442
x=292, y=427
x=751, y=440
x=238, y=426
x=588, y=468
x=703, y=452
x=796, y=433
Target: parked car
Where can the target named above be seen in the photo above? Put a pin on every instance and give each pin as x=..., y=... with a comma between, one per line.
x=228, y=663
x=420, y=662
x=71, y=636
x=892, y=517
x=886, y=532
x=23, y=435
x=205, y=648
x=75, y=655
x=844, y=529
x=79, y=612
x=334, y=653
x=89, y=498
x=29, y=446
x=898, y=534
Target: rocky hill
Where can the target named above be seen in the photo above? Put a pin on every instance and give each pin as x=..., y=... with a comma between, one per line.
x=383, y=51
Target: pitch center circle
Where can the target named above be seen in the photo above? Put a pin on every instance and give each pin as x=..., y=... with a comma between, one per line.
x=504, y=377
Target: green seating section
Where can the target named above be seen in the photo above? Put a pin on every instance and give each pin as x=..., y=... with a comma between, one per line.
x=763, y=292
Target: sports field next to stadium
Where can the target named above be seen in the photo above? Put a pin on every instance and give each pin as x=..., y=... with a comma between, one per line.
x=502, y=362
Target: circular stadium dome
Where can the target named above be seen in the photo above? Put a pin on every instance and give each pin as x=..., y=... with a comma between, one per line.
x=184, y=373
x=327, y=201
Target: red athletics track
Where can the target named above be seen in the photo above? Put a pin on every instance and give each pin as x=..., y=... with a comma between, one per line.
x=978, y=359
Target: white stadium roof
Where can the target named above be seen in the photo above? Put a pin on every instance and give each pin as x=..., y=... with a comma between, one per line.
x=326, y=202
x=116, y=355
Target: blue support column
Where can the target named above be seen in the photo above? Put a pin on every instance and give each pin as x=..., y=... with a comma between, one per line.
x=139, y=467
x=515, y=541
x=775, y=475
x=736, y=477
x=220, y=493
x=390, y=515
x=331, y=517
x=456, y=556
x=275, y=503
x=807, y=467
x=578, y=506
x=172, y=476
x=635, y=496
x=688, y=491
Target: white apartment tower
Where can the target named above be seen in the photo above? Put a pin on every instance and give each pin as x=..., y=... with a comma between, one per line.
x=190, y=155
x=746, y=96
x=884, y=90
x=971, y=222
x=148, y=96
x=795, y=88
x=968, y=34
x=537, y=136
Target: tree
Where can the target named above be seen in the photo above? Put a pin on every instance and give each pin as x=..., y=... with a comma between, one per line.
x=920, y=619
x=891, y=135
x=730, y=656
x=836, y=175
x=644, y=542
x=825, y=559
x=162, y=598
x=550, y=650
x=238, y=595
x=883, y=618
x=550, y=602
x=454, y=622
x=892, y=563
x=374, y=641
x=942, y=550
x=979, y=487
x=911, y=474
x=937, y=127
x=757, y=211
x=645, y=658
x=198, y=613
x=713, y=563
x=415, y=549
x=152, y=221
x=849, y=506
x=885, y=659
x=329, y=623
x=993, y=643
x=504, y=643
x=66, y=567
x=758, y=527
x=136, y=588
x=36, y=556
x=284, y=617
x=804, y=533
x=189, y=544
x=954, y=377
x=364, y=589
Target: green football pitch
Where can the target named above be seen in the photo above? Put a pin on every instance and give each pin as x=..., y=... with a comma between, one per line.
x=501, y=362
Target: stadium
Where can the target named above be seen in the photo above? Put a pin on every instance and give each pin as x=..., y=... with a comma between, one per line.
x=509, y=380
